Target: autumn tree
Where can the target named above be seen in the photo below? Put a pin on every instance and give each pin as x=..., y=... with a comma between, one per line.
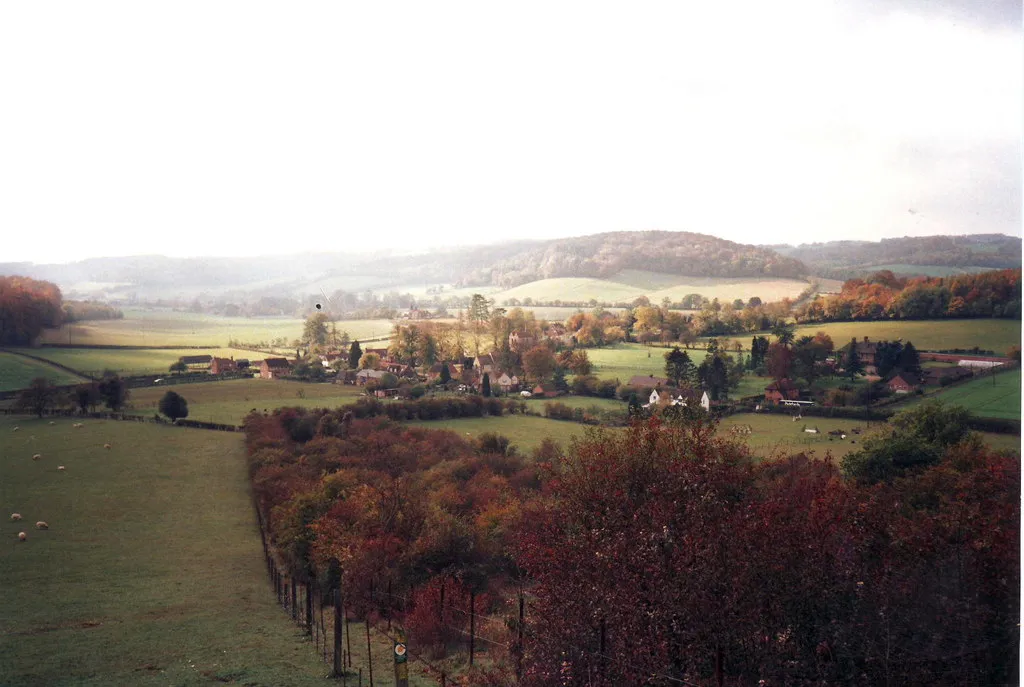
x=539, y=363
x=778, y=361
x=314, y=332
x=369, y=361
x=39, y=397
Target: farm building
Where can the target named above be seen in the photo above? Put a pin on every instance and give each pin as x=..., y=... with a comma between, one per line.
x=274, y=368
x=507, y=382
x=782, y=390
x=904, y=383
x=545, y=390
x=364, y=376
x=399, y=369
x=484, y=363
x=935, y=375
x=520, y=342
x=219, y=366
x=865, y=353
x=648, y=382
x=196, y=362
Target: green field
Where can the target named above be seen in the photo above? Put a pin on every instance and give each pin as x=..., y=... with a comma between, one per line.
x=525, y=431
x=171, y=328
x=631, y=284
x=987, y=334
x=151, y=572
x=623, y=360
x=229, y=402
x=586, y=402
x=128, y=361
x=986, y=396
x=17, y=372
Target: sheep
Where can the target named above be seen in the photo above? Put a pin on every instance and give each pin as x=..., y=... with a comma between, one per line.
x=22, y=536
x=42, y=525
x=37, y=456
x=52, y=422
x=60, y=468
x=77, y=425
x=106, y=446
x=15, y=517
x=16, y=429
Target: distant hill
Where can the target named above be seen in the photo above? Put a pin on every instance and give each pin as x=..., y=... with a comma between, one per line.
x=919, y=255
x=502, y=265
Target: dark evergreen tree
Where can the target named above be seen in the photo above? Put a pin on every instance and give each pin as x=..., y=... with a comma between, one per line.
x=113, y=391
x=486, y=385
x=355, y=352
x=174, y=406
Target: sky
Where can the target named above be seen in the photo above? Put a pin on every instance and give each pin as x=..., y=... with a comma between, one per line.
x=248, y=128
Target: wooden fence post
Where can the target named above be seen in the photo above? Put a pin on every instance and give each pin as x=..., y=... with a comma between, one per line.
x=472, y=625
x=369, y=651
x=338, y=668
x=309, y=608
x=295, y=606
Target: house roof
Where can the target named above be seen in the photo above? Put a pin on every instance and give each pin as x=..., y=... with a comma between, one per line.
x=222, y=361
x=648, y=381
x=781, y=385
x=277, y=363
x=195, y=359
x=908, y=378
x=486, y=359
x=371, y=374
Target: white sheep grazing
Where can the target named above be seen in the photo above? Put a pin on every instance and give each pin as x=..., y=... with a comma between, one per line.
x=22, y=536
x=52, y=422
x=77, y=425
x=15, y=517
x=16, y=429
x=106, y=446
x=42, y=525
x=37, y=456
x=60, y=468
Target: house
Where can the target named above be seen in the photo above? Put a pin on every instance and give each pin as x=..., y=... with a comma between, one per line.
x=399, y=369
x=364, y=376
x=196, y=362
x=904, y=383
x=559, y=334
x=382, y=352
x=434, y=372
x=507, y=383
x=385, y=393
x=519, y=342
x=545, y=390
x=648, y=382
x=274, y=368
x=935, y=376
x=330, y=358
x=219, y=366
x=866, y=350
x=782, y=390
x=484, y=363
x=654, y=399
x=705, y=402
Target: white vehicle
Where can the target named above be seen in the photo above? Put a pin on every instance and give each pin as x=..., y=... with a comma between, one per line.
x=525, y=394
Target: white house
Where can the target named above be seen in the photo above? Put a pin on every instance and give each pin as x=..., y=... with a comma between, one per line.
x=653, y=400
x=705, y=402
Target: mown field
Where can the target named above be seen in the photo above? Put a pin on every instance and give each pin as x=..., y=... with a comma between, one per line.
x=986, y=396
x=128, y=361
x=987, y=334
x=525, y=431
x=151, y=572
x=631, y=284
x=17, y=372
x=536, y=405
x=170, y=328
x=229, y=402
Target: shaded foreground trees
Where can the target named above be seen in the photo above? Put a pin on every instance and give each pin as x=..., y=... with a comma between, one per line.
x=665, y=550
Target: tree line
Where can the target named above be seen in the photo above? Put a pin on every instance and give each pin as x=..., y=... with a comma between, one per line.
x=666, y=549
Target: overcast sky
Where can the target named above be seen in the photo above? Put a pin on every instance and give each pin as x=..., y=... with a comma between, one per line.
x=224, y=128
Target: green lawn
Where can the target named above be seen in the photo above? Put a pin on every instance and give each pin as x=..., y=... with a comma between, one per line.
x=170, y=328
x=130, y=361
x=230, y=401
x=987, y=334
x=985, y=396
x=586, y=402
x=17, y=372
x=525, y=431
x=624, y=360
x=151, y=572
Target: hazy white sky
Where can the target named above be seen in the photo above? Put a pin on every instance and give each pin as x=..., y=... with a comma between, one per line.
x=241, y=128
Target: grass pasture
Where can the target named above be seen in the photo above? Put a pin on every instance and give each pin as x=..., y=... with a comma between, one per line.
x=129, y=361
x=624, y=360
x=987, y=334
x=985, y=396
x=230, y=401
x=172, y=328
x=525, y=431
x=151, y=572
x=17, y=372
x=928, y=270
x=779, y=434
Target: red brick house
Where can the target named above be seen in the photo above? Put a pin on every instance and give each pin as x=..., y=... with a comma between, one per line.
x=782, y=390
x=903, y=383
x=219, y=366
x=274, y=368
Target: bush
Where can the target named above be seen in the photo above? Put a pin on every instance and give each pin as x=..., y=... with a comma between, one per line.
x=174, y=406
x=417, y=391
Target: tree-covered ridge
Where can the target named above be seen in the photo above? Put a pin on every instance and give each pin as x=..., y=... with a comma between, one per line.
x=884, y=296
x=27, y=306
x=842, y=259
x=603, y=255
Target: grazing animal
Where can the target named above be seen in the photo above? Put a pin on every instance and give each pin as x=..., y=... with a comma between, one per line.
x=42, y=525
x=15, y=517
x=16, y=429
x=22, y=536
x=106, y=446
x=77, y=425
x=60, y=468
x=37, y=456
x=52, y=422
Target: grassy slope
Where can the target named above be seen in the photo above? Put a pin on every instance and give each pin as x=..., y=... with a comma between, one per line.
x=228, y=402
x=17, y=372
x=151, y=571
x=728, y=290
x=989, y=334
x=169, y=328
x=928, y=270
x=624, y=360
x=982, y=397
x=131, y=361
